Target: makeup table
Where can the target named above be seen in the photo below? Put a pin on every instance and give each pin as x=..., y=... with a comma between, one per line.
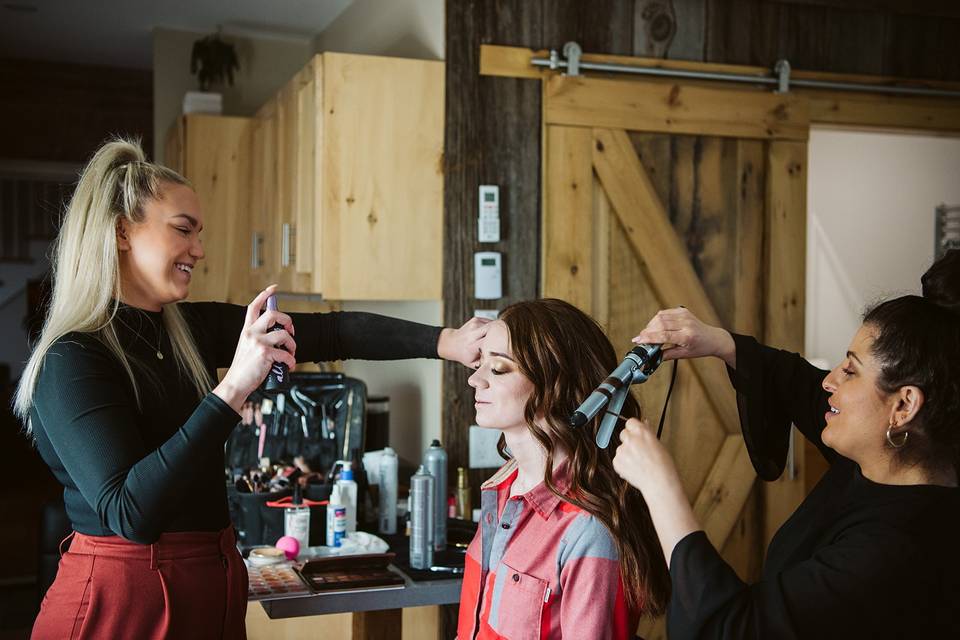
x=374, y=612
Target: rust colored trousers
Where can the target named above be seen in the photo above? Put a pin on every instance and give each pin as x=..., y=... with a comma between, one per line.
x=185, y=585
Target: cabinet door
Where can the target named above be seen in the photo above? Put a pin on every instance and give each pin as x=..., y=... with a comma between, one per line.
x=263, y=178
x=306, y=211
x=215, y=160
x=288, y=147
x=382, y=163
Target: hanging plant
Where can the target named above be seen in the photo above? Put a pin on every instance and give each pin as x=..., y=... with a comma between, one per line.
x=213, y=61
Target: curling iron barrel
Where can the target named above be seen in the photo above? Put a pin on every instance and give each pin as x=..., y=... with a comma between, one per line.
x=637, y=365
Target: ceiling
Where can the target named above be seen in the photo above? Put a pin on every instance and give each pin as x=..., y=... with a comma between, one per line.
x=117, y=33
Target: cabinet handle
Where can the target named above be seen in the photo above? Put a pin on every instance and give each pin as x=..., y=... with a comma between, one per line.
x=256, y=253
x=285, y=245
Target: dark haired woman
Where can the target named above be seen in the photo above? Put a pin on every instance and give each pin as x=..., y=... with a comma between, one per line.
x=565, y=548
x=872, y=552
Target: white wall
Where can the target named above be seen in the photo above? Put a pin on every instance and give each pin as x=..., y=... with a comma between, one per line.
x=409, y=29
x=401, y=28
x=266, y=64
x=870, y=224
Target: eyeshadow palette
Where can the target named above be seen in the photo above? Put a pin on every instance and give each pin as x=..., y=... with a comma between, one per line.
x=338, y=573
x=275, y=581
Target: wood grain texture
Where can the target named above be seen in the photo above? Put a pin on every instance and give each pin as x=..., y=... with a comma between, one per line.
x=729, y=483
x=382, y=178
x=514, y=62
x=309, y=104
x=786, y=282
x=655, y=242
x=640, y=105
x=568, y=270
x=215, y=161
x=492, y=136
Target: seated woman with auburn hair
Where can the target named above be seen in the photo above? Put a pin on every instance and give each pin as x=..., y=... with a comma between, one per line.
x=565, y=548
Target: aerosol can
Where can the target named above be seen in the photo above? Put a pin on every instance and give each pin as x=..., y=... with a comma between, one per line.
x=422, y=504
x=435, y=460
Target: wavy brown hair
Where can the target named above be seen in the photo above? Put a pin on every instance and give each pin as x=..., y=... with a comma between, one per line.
x=565, y=354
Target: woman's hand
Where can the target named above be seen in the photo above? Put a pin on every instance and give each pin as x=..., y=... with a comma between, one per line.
x=685, y=336
x=645, y=463
x=463, y=345
x=257, y=350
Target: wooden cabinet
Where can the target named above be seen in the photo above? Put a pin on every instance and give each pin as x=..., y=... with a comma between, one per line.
x=263, y=194
x=358, y=205
x=212, y=152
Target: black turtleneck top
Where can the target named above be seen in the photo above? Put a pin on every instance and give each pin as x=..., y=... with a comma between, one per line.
x=139, y=469
x=857, y=559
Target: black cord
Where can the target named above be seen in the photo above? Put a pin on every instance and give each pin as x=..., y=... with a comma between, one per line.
x=666, y=401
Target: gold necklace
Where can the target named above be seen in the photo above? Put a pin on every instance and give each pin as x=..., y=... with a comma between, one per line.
x=149, y=344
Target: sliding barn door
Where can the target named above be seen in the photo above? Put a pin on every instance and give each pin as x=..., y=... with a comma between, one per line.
x=659, y=194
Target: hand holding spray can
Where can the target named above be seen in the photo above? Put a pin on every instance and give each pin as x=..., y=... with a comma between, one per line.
x=278, y=377
x=421, y=519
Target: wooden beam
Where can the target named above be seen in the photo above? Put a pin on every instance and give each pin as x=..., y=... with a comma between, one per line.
x=894, y=113
x=729, y=483
x=786, y=283
x=514, y=62
x=568, y=229
x=666, y=107
x=658, y=248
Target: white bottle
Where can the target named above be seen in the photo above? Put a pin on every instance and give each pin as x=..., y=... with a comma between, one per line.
x=388, y=491
x=336, y=526
x=348, y=495
x=296, y=520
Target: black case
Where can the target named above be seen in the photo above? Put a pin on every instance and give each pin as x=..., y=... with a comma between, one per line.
x=343, y=401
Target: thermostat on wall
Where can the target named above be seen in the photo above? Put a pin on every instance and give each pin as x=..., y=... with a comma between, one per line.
x=487, y=275
x=488, y=221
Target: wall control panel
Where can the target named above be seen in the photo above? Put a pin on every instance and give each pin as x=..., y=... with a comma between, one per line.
x=488, y=221
x=487, y=275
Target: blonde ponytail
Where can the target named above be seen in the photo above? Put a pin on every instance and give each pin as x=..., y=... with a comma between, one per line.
x=117, y=182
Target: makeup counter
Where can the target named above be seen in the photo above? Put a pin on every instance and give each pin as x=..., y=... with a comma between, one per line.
x=329, y=523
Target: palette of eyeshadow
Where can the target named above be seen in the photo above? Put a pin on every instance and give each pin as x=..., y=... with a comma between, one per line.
x=337, y=573
x=275, y=581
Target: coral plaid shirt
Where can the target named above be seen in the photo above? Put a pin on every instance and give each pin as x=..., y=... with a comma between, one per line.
x=540, y=568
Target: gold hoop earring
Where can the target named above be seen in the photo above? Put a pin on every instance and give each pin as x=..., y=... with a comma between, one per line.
x=903, y=441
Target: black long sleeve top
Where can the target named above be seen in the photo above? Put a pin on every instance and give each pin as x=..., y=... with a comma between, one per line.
x=856, y=559
x=141, y=469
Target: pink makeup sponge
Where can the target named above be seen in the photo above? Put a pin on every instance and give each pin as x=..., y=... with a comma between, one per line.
x=290, y=546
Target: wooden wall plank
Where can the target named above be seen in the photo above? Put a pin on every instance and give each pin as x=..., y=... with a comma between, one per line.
x=492, y=136
x=877, y=112
x=640, y=105
x=729, y=483
x=514, y=62
x=655, y=242
x=692, y=432
x=748, y=314
x=786, y=281
x=568, y=263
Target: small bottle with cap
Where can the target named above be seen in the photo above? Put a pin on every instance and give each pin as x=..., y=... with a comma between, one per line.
x=348, y=494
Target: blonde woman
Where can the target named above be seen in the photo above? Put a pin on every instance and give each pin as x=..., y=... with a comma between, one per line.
x=120, y=395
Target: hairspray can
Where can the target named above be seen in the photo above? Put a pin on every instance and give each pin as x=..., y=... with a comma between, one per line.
x=435, y=460
x=388, y=491
x=421, y=519
x=277, y=377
